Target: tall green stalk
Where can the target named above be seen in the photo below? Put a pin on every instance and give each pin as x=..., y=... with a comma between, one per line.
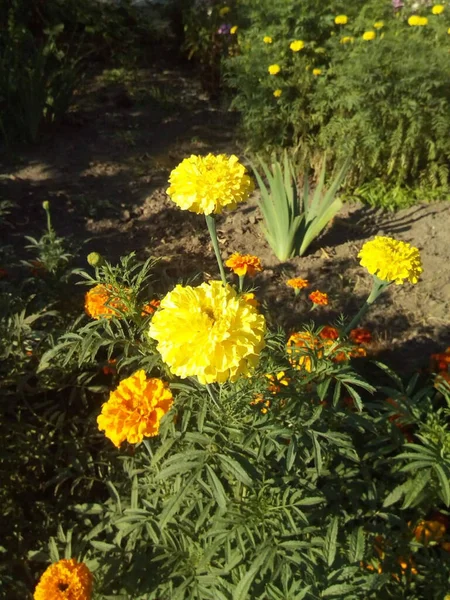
x=211, y=223
x=378, y=287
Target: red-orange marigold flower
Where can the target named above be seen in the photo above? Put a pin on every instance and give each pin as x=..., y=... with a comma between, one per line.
x=65, y=580
x=360, y=335
x=429, y=531
x=101, y=302
x=319, y=298
x=244, y=264
x=297, y=283
x=150, y=307
x=440, y=362
x=329, y=333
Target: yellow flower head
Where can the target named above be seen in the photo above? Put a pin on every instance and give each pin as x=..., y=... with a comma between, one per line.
x=437, y=9
x=378, y=24
x=369, y=35
x=297, y=283
x=65, y=580
x=267, y=39
x=341, y=20
x=224, y=11
x=135, y=409
x=347, y=39
x=297, y=45
x=100, y=303
x=251, y=299
x=316, y=72
x=209, y=332
x=276, y=381
x=274, y=69
x=233, y=29
x=391, y=260
x=209, y=184
x=416, y=21
x=244, y=264
x=448, y=31
x=277, y=93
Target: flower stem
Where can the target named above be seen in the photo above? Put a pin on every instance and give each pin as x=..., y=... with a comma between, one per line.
x=378, y=287
x=211, y=223
x=241, y=282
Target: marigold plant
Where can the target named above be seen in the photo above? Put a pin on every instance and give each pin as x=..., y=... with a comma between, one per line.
x=66, y=579
x=391, y=260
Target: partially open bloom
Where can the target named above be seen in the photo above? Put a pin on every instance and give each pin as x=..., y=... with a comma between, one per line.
x=66, y=579
x=329, y=333
x=437, y=9
x=134, y=410
x=150, y=307
x=391, y=260
x=378, y=24
x=244, y=264
x=267, y=39
x=274, y=69
x=209, y=184
x=277, y=93
x=297, y=283
x=319, y=298
x=209, y=332
x=297, y=45
x=341, y=20
x=101, y=303
x=429, y=531
x=369, y=35
x=360, y=335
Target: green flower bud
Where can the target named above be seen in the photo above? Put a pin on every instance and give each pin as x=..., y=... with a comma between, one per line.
x=46, y=205
x=95, y=259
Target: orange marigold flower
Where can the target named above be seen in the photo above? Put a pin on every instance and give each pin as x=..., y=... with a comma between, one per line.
x=110, y=369
x=135, y=409
x=65, y=580
x=298, y=345
x=258, y=399
x=244, y=264
x=101, y=302
x=358, y=352
x=319, y=298
x=297, y=283
x=429, y=531
x=276, y=381
x=360, y=335
x=150, y=307
x=329, y=333
x=440, y=362
x=251, y=299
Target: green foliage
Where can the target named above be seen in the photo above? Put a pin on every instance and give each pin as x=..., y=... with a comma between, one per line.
x=384, y=103
x=293, y=222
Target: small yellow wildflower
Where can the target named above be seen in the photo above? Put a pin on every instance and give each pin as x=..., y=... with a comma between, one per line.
x=391, y=260
x=277, y=93
x=416, y=21
x=369, y=35
x=341, y=20
x=437, y=9
x=233, y=29
x=224, y=11
x=274, y=69
x=378, y=24
x=297, y=45
x=267, y=39
x=316, y=72
x=347, y=39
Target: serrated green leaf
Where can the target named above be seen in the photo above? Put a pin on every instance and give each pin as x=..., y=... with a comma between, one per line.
x=217, y=488
x=330, y=543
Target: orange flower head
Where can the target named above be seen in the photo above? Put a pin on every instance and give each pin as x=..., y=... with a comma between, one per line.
x=65, y=580
x=429, y=531
x=297, y=283
x=440, y=362
x=276, y=381
x=319, y=298
x=358, y=352
x=110, y=369
x=298, y=342
x=360, y=335
x=329, y=333
x=101, y=303
x=135, y=409
x=259, y=399
x=150, y=307
x=244, y=264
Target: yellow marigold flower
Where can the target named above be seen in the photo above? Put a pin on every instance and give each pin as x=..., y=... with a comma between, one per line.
x=319, y=298
x=233, y=29
x=297, y=283
x=391, y=260
x=297, y=45
x=274, y=69
x=297, y=346
x=135, y=409
x=369, y=35
x=224, y=11
x=316, y=72
x=378, y=24
x=66, y=579
x=277, y=93
x=209, y=184
x=277, y=380
x=347, y=39
x=437, y=9
x=251, y=299
x=100, y=303
x=209, y=332
x=267, y=39
x=244, y=264
x=341, y=20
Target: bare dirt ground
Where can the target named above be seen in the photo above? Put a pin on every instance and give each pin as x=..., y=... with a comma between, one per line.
x=105, y=173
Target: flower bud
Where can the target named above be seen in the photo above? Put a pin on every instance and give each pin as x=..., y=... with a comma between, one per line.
x=95, y=259
x=46, y=205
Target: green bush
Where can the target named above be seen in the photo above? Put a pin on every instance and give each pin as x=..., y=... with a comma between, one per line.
x=384, y=102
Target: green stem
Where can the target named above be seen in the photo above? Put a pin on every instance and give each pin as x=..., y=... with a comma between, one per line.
x=211, y=223
x=378, y=287
x=241, y=282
